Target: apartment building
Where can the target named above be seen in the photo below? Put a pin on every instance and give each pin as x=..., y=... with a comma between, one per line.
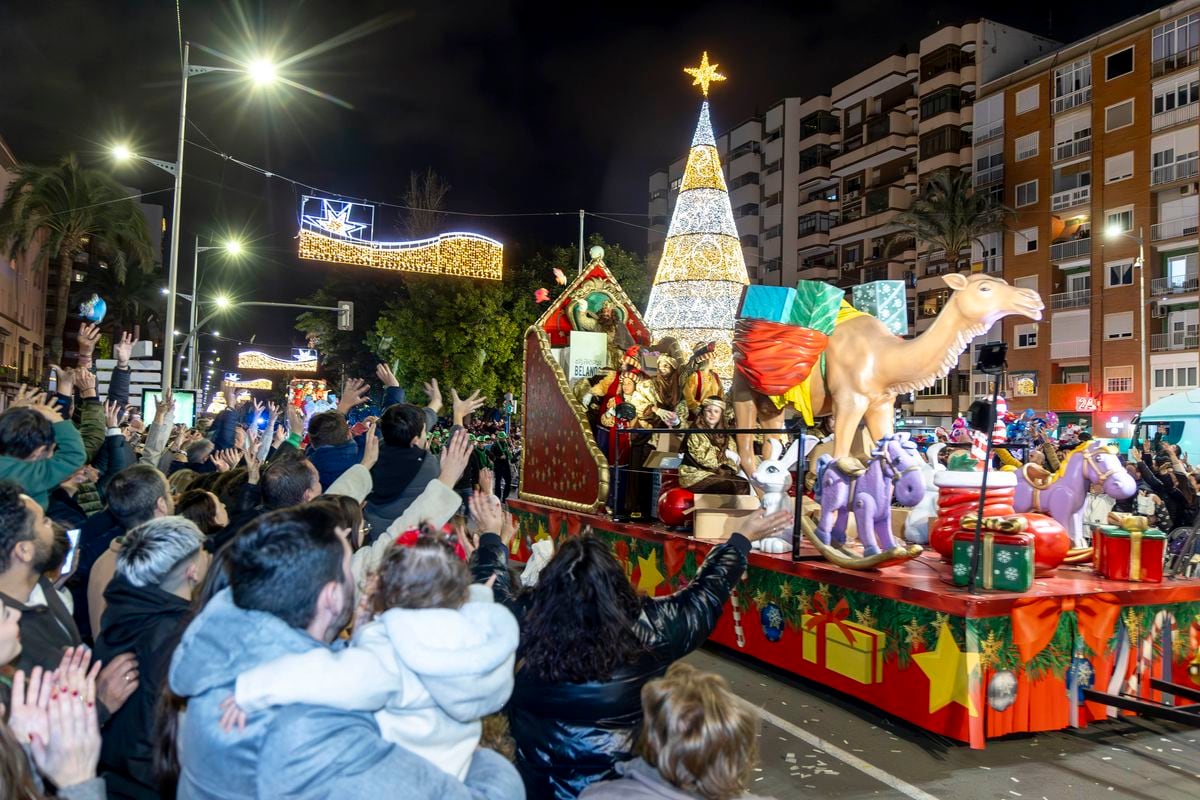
x=836, y=169
x=1095, y=147
x=22, y=308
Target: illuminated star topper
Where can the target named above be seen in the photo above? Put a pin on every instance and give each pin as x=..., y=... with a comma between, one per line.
x=340, y=218
x=704, y=74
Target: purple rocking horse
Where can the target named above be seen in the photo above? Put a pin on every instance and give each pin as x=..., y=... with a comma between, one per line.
x=894, y=464
x=1062, y=494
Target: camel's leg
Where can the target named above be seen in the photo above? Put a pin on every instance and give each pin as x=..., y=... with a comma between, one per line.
x=881, y=419
x=745, y=416
x=848, y=411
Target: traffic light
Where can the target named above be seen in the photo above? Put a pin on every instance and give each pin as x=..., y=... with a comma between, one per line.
x=345, y=320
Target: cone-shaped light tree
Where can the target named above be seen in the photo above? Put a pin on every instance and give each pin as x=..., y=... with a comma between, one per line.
x=700, y=278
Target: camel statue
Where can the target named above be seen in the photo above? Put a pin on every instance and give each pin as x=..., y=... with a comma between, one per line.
x=866, y=366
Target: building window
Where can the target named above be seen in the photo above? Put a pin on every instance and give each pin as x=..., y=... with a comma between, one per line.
x=940, y=388
x=1122, y=217
x=1025, y=240
x=1027, y=146
x=748, y=179
x=816, y=156
x=930, y=303
x=1173, y=155
x=945, y=59
x=658, y=219
x=1175, y=378
x=989, y=117
x=1072, y=135
x=1118, y=326
x=1174, y=44
x=1118, y=168
x=818, y=122
x=1072, y=78
x=749, y=240
x=946, y=139
x=1027, y=282
x=747, y=210
x=818, y=222
x=1118, y=116
x=773, y=232
x=1026, y=336
x=941, y=101
x=852, y=255
x=1169, y=95
x=1026, y=193
x=1027, y=99
x=1118, y=63
x=1118, y=380
x=1120, y=275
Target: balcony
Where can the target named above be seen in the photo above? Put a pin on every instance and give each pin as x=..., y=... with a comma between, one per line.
x=1073, y=148
x=990, y=175
x=1071, y=198
x=993, y=265
x=1059, y=350
x=1178, y=340
x=1178, y=171
x=1073, y=99
x=990, y=132
x=1174, y=228
x=1175, y=116
x=1081, y=298
x=1174, y=284
x=1075, y=248
x=1184, y=58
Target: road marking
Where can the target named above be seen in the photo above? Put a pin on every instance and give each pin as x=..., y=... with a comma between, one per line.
x=847, y=758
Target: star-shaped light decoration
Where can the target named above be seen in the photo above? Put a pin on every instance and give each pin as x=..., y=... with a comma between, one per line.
x=650, y=577
x=704, y=74
x=949, y=671
x=785, y=592
x=914, y=632
x=990, y=649
x=336, y=220
x=824, y=593
x=804, y=602
x=865, y=617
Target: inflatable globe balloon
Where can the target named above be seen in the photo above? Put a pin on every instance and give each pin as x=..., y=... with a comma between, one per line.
x=673, y=506
x=94, y=309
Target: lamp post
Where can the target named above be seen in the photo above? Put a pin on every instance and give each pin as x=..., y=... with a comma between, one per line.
x=1114, y=232
x=261, y=72
x=234, y=248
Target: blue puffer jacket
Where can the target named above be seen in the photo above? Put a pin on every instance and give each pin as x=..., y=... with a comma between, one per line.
x=332, y=460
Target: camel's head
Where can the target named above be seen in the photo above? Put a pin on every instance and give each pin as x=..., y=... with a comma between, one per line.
x=983, y=299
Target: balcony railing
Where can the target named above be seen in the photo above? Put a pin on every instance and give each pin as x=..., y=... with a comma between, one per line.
x=1184, y=58
x=1080, y=298
x=987, y=134
x=1174, y=228
x=993, y=264
x=990, y=175
x=1075, y=147
x=1070, y=198
x=1175, y=116
x=1070, y=349
x=1178, y=340
x=1175, y=284
x=1073, y=99
x=1076, y=248
x=1185, y=168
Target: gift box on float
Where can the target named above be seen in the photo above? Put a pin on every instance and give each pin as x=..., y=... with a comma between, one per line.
x=847, y=648
x=1132, y=551
x=772, y=303
x=1006, y=555
x=887, y=301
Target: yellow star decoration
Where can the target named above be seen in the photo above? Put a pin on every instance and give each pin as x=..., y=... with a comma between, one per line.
x=1134, y=625
x=989, y=650
x=914, y=632
x=785, y=592
x=760, y=599
x=866, y=618
x=949, y=671
x=804, y=602
x=824, y=593
x=704, y=74
x=940, y=619
x=650, y=577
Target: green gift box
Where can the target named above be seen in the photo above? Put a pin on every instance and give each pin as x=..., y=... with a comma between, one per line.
x=1006, y=560
x=887, y=301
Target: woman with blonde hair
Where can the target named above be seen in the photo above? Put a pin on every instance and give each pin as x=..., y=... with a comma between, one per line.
x=698, y=741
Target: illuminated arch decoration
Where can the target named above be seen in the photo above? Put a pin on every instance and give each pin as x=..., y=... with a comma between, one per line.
x=342, y=232
x=234, y=380
x=302, y=361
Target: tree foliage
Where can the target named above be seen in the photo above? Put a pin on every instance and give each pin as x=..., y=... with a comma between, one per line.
x=59, y=210
x=950, y=216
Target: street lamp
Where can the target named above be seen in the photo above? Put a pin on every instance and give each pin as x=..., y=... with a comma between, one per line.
x=1112, y=233
x=261, y=71
x=232, y=247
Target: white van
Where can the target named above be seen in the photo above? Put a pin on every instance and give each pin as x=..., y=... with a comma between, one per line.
x=1176, y=418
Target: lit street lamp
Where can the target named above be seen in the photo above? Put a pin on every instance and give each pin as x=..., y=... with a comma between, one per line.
x=232, y=247
x=1113, y=232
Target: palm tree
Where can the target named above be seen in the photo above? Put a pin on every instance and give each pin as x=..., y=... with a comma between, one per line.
x=134, y=299
x=58, y=211
x=950, y=216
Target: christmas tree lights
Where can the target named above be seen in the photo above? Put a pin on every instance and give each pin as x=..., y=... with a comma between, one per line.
x=700, y=278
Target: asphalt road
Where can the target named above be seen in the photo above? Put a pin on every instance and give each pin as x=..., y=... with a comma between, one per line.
x=818, y=744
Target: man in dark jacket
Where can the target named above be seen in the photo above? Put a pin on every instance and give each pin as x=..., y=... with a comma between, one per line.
x=404, y=468
x=334, y=448
x=289, y=480
x=161, y=562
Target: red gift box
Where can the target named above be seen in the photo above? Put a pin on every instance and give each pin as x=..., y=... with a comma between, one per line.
x=1129, y=555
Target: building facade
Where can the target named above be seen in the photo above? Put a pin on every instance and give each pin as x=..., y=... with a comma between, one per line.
x=1095, y=147
x=22, y=306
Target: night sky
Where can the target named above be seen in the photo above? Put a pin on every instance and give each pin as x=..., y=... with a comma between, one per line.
x=523, y=107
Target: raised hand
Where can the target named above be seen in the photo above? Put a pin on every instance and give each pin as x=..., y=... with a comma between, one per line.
x=66, y=380
x=464, y=408
x=164, y=411
x=354, y=391
x=295, y=421
x=509, y=530
x=123, y=349
x=434, y=393
x=386, y=376
x=85, y=381
x=487, y=512
x=73, y=675
x=761, y=526
x=112, y=413
x=86, y=341
x=30, y=699
x=370, y=446
x=225, y=460
x=69, y=755
x=278, y=436
x=487, y=481
x=455, y=456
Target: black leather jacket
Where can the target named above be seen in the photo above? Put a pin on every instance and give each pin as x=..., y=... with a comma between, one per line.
x=569, y=735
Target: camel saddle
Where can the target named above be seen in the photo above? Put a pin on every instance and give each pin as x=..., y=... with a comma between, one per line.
x=850, y=466
x=1037, y=477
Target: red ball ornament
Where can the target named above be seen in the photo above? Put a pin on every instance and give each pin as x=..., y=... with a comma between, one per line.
x=673, y=506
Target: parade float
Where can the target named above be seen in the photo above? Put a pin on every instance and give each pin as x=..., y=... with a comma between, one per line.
x=999, y=627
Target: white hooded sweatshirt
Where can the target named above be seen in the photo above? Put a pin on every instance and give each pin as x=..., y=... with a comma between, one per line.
x=428, y=674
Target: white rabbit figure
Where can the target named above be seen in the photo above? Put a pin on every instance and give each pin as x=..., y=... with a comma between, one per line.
x=916, y=525
x=773, y=478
